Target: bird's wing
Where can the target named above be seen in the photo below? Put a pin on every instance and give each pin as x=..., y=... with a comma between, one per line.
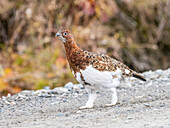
x=105, y=63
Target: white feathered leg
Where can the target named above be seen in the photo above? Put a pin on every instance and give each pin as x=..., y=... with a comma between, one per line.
x=92, y=97
x=114, y=98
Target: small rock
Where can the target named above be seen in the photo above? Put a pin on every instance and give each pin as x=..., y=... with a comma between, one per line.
x=83, y=116
x=60, y=114
x=146, y=104
x=79, y=112
x=56, y=102
x=165, y=79
x=126, y=122
x=78, y=86
x=27, y=92
x=149, y=84
x=59, y=90
x=65, y=100
x=20, y=97
x=65, y=94
x=67, y=114
x=139, y=97
x=130, y=118
x=12, y=103
x=43, y=93
x=3, y=98
x=40, y=91
x=7, y=102
x=159, y=71
x=162, y=105
x=47, y=88
x=69, y=85
x=9, y=95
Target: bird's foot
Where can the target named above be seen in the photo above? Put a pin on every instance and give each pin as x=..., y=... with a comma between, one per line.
x=85, y=107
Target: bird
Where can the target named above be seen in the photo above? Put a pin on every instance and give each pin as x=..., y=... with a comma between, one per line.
x=95, y=71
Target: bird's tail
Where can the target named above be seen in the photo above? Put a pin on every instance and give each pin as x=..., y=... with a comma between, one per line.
x=129, y=72
x=136, y=75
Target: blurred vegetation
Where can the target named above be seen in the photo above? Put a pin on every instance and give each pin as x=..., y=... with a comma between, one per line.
x=135, y=31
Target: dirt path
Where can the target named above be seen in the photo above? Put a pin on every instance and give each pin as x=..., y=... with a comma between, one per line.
x=144, y=104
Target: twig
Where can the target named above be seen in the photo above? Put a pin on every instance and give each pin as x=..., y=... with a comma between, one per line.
x=18, y=29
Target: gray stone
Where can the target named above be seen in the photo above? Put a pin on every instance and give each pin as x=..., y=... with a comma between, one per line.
x=20, y=97
x=41, y=91
x=47, y=88
x=60, y=114
x=79, y=112
x=69, y=85
x=59, y=90
x=159, y=71
x=78, y=86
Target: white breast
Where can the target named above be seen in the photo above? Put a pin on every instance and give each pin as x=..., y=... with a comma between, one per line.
x=102, y=79
x=78, y=77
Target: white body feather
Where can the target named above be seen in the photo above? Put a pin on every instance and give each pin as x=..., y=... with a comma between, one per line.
x=98, y=79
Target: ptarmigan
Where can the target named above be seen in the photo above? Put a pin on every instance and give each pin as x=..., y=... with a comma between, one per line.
x=94, y=71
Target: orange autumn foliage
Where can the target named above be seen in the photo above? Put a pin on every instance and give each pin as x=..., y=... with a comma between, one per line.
x=5, y=87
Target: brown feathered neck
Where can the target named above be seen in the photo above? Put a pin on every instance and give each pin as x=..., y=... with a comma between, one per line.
x=74, y=55
x=71, y=47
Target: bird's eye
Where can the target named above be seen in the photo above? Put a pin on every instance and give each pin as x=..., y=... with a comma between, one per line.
x=65, y=33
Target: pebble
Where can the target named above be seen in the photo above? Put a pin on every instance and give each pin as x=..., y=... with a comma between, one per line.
x=9, y=95
x=149, y=84
x=27, y=92
x=7, y=102
x=69, y=85
x=146, y=104
x=129, y=118
x=3, y=97
x=12, y=103
x=44, y=93
x=40, y=91
x=162, y=105
x=47, y=88
x=56, y=102
x=79, y=112
x=20, y=97
x=126, y=122
x=78, y=86
x=67, y=114
x=159, y=71
x=165, y=79
x=83, y=116
x=60, y=114
x=59, y=90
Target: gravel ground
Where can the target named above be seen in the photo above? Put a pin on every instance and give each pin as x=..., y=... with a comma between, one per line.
x=141, y=104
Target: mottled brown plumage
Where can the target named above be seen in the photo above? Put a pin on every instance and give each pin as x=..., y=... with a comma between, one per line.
x=97, y=71
x=79, y=59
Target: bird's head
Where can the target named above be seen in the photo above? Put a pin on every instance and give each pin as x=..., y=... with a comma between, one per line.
x=65, y=35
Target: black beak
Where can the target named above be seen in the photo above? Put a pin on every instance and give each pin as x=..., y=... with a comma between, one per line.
x=57, y=34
